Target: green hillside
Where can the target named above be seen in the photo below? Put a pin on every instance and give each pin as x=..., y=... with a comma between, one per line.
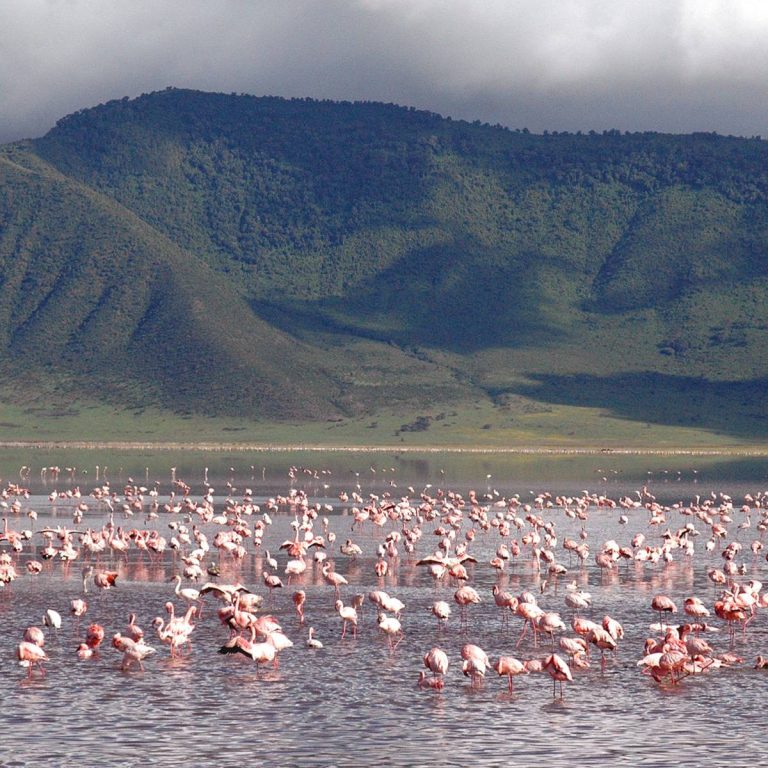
x=96, y=296
x=365, y=264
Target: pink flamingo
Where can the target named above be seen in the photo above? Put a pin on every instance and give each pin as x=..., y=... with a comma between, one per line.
x=312, y=641
x=336, y=580
x=435, y=683
x=476, y=663
x=35, y=636
x=263, y=626
x=190, y=595
x=465, y=596
x=575, y=648
x=506, y=601
x=295, y=568
x=694, y=607
x=261, y=653
x=558, y=670
x=134, y=652
x=436, y=661
x=530, y=613
x=84, y=652
x=349, y=616
x=663, y=604
x=94, y=636
x=78, y=607
x=392, y=628
x=133, y=630
x=271, y=582
x=441, y=610
x=299, y=598
x=31, y=655
x=510, y=666
x=549, y=623
x=603, y=640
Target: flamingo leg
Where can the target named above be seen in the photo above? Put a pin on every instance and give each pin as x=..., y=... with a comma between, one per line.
x=522, y=634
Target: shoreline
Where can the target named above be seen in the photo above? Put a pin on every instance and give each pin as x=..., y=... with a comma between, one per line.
x=213, y=447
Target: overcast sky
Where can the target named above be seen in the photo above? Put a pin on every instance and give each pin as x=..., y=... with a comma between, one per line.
x=667, y=65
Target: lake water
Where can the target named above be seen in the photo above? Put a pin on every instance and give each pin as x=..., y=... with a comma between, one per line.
x=355, y=702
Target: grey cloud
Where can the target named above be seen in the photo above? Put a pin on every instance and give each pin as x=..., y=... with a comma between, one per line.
x=541, y=64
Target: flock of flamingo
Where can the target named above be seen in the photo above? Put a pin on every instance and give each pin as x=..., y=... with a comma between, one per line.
x=441, y=533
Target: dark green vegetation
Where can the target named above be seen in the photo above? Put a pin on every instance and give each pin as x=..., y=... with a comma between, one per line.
x=369, y=265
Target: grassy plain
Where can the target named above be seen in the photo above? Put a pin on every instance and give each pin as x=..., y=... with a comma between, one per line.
x=468, y=426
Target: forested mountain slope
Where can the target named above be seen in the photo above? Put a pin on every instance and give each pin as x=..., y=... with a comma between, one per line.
x=314, y=260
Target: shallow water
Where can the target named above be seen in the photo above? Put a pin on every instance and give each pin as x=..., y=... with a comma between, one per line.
x=355, y=702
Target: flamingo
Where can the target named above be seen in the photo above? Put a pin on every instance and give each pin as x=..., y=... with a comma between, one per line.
x=102, y=579
x=133, y=631
x=177, y=630
x=225, y=592
x=464, y=596
x=31, y=655
x=295, y=568
x=694, y=607
x=506, y=601
x=134, y=651
x=574, y=647
x=299, y=598
x=84, y=652
x=271, y=582
x=613, y=628
x=392, y=628
x=670, y=663
x=530, y=612
x=263, y=625
x=436, y=661
x=349, y=616
x=358, y=601
x=663, y=604
x=52, y=619
x=350, y=549
x=441, y=610
x=391, y=604
x=261, y=653
x=190, y=595
x=510, y=666
x=578, y=600
x=548, y=623
x=280, y=642
x=94, y=636
x=603, y=640
x=435, y=683
x=34, y=635
x=476, y=663
x=336, y=580
x=558, y=670
x=78, y=607
x=695, y=646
